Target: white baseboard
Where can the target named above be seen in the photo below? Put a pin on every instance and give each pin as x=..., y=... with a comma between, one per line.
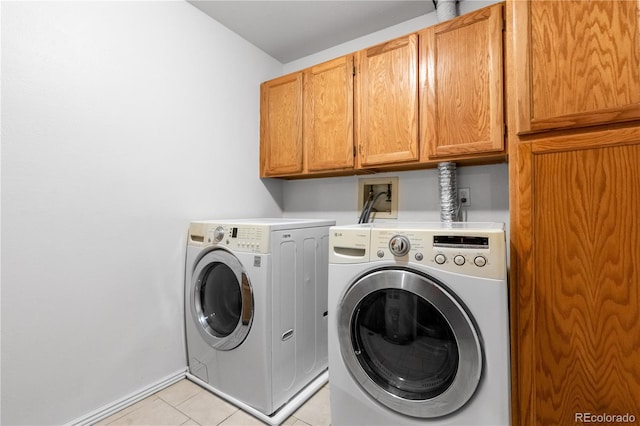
x=114, y=407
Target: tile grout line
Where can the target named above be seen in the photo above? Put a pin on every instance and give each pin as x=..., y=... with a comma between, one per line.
x=123, y=413
x=187, y=421
x=186, y=414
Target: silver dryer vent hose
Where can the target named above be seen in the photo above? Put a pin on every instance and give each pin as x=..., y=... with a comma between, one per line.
x=448, y=192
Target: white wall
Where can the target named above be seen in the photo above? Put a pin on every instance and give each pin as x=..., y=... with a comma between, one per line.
x=418, y=196
x=404, y=28
x=121, y=121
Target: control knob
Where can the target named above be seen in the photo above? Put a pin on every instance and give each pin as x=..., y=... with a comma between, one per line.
x=218, y=234
x=399, y=245
x=480, y=261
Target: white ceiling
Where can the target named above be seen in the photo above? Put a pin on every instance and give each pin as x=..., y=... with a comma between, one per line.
x=290, y=30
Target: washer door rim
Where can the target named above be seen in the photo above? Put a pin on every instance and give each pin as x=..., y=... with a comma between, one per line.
x=241, y=331
x=470, y=351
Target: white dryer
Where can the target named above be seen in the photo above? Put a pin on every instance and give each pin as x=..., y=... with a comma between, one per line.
x=256, y=311
x=418, y=324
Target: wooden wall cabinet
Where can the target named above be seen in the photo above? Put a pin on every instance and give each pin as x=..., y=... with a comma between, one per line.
x=328, y=116
x=306, y=121
x=281, y=126
x=461, y=86
x=387, y=103
x=408, y=103
x=577, y=63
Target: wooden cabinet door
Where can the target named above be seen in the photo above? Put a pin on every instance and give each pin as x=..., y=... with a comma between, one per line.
x=387, y=99
x=577, y=63
x=281, y=126
x=328, y=115
x=461, y=84
x=576, y=293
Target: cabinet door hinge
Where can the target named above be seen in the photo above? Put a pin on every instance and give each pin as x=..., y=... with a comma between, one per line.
x=354, y=150
x=354, y=71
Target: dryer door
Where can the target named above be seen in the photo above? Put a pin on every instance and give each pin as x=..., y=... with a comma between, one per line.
x=409, y=343
x=222, y=300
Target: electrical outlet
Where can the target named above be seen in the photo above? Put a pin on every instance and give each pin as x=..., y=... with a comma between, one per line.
x=464, y=197
x=384, y=207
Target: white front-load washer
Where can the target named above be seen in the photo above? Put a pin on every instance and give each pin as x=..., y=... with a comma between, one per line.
x=256, y=311
x=418, y=324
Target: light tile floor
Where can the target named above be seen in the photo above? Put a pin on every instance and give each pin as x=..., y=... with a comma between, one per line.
x=185, y=403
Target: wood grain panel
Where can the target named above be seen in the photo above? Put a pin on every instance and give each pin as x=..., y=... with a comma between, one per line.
x=521, y=281
x=387, y=99
x=586, y=326
x=462, y=95
x=281, y=126
x=328, y=117
x=578, y=62
x=581, y=60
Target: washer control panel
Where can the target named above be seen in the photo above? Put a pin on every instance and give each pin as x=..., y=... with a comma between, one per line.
x=247, y=238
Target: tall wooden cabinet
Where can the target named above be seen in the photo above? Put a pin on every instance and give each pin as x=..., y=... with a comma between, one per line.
x=576, y=276
x=575, y=210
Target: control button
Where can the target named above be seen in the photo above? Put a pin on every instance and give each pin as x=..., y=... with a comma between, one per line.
x=459, y=260
x=399, y=245
x=440, y=259
x=419, y=257
x=218, y=234
x=380, y=253
x=480, y=261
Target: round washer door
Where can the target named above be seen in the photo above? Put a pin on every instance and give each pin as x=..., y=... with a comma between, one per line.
x=409, y=343
x=221, y=300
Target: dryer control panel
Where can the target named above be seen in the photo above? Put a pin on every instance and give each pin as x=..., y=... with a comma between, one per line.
x=243, y=238
x=479, y=253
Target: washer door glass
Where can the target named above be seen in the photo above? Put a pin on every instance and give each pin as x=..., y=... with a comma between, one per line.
x=222, y=300
x=409, y=343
